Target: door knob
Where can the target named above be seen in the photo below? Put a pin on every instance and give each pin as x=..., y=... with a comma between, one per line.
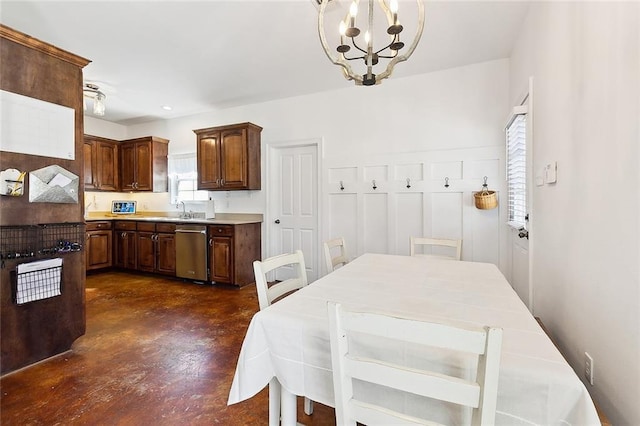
x=277, y=221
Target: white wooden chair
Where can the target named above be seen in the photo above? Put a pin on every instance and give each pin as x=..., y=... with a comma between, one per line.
x=341, y=259
x=435, y=242
x=480, y=394
x=269, y=293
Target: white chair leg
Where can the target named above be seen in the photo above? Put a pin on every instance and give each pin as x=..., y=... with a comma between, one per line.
x=288, y=401
x=308, y=406
x=274, y=402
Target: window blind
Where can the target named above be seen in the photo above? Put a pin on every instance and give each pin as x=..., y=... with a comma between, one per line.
x=517, y=169
x=183, y=177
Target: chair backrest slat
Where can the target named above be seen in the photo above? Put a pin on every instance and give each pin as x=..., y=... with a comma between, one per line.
x=435, y=242
x=340, y=259
x=481, y=346
x=268, y=293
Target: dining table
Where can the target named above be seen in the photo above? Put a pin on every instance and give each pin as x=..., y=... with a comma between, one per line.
x=289, y=340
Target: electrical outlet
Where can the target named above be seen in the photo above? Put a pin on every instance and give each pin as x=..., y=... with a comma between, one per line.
x=588, y=368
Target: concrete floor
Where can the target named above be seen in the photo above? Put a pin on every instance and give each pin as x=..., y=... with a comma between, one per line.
x=157, y=352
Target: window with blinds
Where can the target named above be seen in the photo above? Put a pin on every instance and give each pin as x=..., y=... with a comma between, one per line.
x=517, y=167
x=183, y=179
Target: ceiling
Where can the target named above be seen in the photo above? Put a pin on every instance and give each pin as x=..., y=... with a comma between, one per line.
x=200, y=56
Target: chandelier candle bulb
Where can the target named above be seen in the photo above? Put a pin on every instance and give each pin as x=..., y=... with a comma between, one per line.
x=394, y=10
x=353, y=11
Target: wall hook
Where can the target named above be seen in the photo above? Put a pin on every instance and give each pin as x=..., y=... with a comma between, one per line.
x=341, y=186
x=408, y=183
x=485, y=182
x=446, y=182
x=374, y=184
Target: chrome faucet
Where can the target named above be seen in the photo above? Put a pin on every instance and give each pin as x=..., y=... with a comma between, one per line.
x=184, y=210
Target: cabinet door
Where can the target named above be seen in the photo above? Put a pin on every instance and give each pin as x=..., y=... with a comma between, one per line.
x=221, y=261
x=209, y=161
x=166, y=253
x=143, y=166
x=125, y=249
x=127, y=167
x=98, y=249
x=146, y=251
x=233, y=159
x=106, y=166
x=89, y=156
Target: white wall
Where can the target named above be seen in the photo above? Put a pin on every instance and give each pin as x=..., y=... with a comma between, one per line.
x=585, y=60
x=457, y=109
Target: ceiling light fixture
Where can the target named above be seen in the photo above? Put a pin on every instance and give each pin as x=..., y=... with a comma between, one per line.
x=349, y=32
x=92, y=91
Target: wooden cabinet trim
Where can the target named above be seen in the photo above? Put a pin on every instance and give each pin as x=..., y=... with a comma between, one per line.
x=41, y=46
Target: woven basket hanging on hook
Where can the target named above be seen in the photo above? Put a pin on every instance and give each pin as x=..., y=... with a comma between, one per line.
x=485, y=199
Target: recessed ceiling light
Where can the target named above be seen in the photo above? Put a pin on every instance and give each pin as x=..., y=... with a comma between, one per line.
x=166, y=107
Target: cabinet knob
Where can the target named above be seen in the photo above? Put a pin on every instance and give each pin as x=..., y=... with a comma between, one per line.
x=277, y=221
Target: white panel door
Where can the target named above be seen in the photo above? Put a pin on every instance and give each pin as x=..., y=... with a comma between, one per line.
x=293, y=202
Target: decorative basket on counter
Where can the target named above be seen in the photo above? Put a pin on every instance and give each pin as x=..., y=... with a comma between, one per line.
x=485, y=199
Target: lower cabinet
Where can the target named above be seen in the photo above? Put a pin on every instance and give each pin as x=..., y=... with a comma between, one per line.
x=126, y=244
x=98, y=247
x=151, y=247
x=157, y=247
x=232, y=251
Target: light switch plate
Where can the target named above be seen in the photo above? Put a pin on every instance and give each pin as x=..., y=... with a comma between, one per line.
x=551, y=172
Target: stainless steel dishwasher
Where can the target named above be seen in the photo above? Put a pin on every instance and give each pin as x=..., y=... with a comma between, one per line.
x=191, y=252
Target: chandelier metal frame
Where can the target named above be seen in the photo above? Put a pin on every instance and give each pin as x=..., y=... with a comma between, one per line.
x=370, y=55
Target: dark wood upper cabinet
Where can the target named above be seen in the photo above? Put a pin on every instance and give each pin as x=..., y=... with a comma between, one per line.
x=229, y=157
x=100, y=164
x=143, y=164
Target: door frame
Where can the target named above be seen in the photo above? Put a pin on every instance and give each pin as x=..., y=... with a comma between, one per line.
x=271, y=148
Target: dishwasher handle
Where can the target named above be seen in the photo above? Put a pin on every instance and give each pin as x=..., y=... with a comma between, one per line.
x=190, y=231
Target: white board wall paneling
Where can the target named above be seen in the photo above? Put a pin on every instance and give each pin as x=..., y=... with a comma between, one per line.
x=410, y=214
x=446, y=219
x=343, y=219
x=342, y=179
x=483, y=228
x=375, y=222
x=383, y=219
x=342, y=187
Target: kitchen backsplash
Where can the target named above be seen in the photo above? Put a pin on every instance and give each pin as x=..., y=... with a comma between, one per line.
x=225, y=202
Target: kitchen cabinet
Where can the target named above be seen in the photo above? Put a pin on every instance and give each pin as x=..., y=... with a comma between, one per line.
x=232, y=251
x=156, y=247
x=229, y=157
x=143, y=164
x=98, y=247
x=100, y=164
x=126, y=244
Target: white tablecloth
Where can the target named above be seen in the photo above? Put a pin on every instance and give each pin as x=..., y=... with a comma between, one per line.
x=290, y=339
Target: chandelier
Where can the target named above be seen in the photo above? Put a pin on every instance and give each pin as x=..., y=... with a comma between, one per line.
x=354, y=46
x=92, y=91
